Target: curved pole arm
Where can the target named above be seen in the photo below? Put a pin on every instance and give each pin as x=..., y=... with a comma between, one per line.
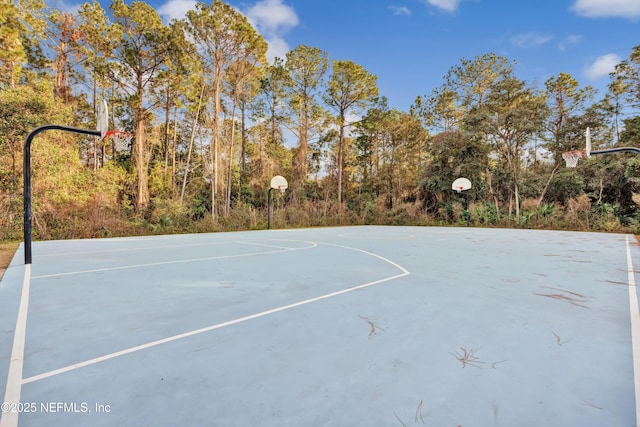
x=27, y=179
x=616, y=150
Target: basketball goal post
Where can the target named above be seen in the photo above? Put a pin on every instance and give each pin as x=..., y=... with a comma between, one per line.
x=102, y=131
x=571, y=157
x=279, y=183
x=460, y=185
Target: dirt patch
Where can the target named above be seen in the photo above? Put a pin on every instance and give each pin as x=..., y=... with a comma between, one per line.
x=7, y=251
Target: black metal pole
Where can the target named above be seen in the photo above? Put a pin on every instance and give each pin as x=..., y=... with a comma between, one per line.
x=468, y=213
x=616, y=150
x=269, y=209
x=27, y=179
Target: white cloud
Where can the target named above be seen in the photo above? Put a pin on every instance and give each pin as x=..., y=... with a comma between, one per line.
x=175, y=9
x=607, y=8
x=278, y=48
x=446, y=5
x=572, y=39
x=400, y=10
x=273, y=19
x=64, y=6
x=602, y=66
x=530, y=39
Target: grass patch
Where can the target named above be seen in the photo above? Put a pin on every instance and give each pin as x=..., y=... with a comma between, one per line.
x=7, y=251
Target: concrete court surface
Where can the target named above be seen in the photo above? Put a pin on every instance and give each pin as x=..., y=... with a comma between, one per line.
x=353, y=326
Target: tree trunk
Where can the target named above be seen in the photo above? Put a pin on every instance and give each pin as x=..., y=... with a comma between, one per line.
x=214, y=142
x=140, y=156
x=546, y=186
x=193, y=135
x=227, y=208
x=173, y=151
x=493, y=195
x=340, y=157
x=165, y=143
x=516, y=193
x=300, y=161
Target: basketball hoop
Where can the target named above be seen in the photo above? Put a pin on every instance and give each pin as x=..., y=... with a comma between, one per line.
x=572, y=157
x=121, y=139
x=282, y=188
x=461, y=184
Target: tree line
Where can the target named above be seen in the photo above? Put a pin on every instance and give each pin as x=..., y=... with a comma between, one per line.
x=212, y=121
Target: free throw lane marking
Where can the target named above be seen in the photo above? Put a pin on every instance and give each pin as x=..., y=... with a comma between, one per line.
x=14, y=378
x=634, y=312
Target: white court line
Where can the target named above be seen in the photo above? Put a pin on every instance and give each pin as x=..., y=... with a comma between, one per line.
x=14, y=377
x=361, y=237
x=634, y=312
x=139, y=248
x=75, y=366
x=147, y=248
x=398, y=266
x=256, y=243
x=202, y=330
x=313, y=245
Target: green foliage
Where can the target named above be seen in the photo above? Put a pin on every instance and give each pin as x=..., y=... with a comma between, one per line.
x=209, y=113
x=565, y=124
x=485, y=214
x=22, y=109
x=566, y=185
x=546, y=210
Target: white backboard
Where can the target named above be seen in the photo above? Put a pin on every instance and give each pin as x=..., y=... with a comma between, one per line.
x=102, y=118
x=279, y=183
x=461, y=184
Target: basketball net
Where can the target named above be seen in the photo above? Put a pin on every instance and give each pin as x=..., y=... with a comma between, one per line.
x=572, y=157
x=121, y=139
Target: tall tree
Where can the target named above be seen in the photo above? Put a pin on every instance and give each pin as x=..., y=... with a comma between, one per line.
x=224, y=37
x=440, y=111
x=240, y=77
x=567, y=104
x=509, y=117
x=307, y=67
x=349, y=90
x=64, y=38
x=272, y=100
x=470, y=81
x=12, y=53
x=182, y=86
x=98, y=40
x=627, y=74
x=402, y=156
x=139, y=57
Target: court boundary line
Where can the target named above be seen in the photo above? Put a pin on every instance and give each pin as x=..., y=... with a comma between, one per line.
x=634, y=313
x=130, y=350
x=16, y=364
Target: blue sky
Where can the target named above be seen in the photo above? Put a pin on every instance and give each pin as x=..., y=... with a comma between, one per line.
x=411, y=44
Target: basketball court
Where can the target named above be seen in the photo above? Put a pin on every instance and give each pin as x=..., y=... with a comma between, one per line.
x=371, y=326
